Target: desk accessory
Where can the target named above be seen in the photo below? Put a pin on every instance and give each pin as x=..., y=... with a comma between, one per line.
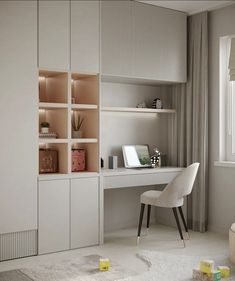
x=113, y=160
x=136, y=156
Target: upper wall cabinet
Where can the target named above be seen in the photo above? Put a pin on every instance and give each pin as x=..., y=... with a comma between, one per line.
x=54, y=34
x=116, y=38
x=143, y=41
x=85, y=36
x=159, y=43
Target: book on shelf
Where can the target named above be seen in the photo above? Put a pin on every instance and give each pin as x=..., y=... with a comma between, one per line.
x=47, y=135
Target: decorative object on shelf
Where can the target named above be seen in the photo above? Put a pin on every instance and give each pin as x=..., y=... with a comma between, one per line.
x=73, y=100
x=157, y=104
x=113, y=160
x=48, y=160
x=45, y=127
x=50, y=135
x=141, y=105
x=77, y=122
x=156, y=158
x=78, y=160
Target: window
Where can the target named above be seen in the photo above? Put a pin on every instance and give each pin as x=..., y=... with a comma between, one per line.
x=227, y=99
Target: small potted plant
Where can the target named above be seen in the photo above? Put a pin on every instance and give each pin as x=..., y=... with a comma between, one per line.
x=76, y=125
x=45, y=127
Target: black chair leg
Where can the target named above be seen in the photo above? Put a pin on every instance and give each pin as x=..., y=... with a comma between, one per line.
x=183, y=220
x=140, y=221
x=178, y=224
x=148, y=216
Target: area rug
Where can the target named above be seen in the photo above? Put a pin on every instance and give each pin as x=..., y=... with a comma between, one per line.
x=171, y=267
x=80, y=269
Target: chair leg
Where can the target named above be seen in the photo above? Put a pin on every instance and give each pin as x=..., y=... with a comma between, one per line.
x=178, y=224
x=140, y=221
x=183, y=220
x=148, y=216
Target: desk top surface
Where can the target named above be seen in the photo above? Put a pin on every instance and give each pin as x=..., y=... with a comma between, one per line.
x=137, y=171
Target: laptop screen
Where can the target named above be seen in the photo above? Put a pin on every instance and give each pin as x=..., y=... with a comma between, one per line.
x=136, y=156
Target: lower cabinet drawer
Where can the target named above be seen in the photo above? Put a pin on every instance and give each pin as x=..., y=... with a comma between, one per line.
x=84, y=212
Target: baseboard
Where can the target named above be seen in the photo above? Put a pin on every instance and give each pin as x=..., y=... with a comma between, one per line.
x=216, y=229
x=18, y=245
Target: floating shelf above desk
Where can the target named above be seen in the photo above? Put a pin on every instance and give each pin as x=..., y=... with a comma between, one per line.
x=137, y=110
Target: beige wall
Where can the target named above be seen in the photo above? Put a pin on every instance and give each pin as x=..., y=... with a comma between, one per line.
x=221, y=180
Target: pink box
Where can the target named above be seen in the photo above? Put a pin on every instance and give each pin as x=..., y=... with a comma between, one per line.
x=78, y=160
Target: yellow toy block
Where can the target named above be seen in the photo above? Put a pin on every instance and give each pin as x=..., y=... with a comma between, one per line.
x=207, y=266
x=104, y=264
x=225, y=271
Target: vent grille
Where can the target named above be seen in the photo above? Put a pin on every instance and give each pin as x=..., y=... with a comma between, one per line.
x=18, y=244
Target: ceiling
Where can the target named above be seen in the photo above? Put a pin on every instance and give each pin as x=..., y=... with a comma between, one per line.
x=190, y=7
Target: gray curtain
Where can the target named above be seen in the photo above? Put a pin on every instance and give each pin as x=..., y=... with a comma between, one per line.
x=191, y=103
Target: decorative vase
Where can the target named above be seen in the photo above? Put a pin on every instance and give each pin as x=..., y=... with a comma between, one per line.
x=44, y=130
x=77, y=134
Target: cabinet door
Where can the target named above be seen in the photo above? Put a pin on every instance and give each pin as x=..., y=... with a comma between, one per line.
x=54, y=34
x=85, y=36
x=84, y=212
x=18, y=90
x=159, y=43
x=116, y=37
x=53, y=224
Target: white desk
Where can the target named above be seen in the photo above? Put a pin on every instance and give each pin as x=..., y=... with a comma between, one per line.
x=121, y=178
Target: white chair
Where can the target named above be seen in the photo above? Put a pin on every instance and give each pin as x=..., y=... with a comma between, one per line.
x=171, y=197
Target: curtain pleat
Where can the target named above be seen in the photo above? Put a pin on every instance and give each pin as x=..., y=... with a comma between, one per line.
x=191, y=103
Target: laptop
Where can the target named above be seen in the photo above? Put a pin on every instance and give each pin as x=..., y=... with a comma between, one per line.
x=136, y=156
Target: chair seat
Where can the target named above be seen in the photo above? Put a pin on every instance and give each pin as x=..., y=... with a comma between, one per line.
x=150, y=197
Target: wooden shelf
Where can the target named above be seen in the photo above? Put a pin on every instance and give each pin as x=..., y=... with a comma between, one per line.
x=84, y=140
x=50, y=105
x=51, y=140
x=137, y=110
x=84, y=106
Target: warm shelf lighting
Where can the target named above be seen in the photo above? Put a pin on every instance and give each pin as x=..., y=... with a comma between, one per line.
x=41, y=78
x=42, y=110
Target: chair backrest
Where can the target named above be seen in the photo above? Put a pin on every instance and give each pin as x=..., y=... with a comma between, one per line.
x=181, y=186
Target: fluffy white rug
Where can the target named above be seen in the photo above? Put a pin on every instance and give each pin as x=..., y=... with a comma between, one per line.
x=169, y=267
x=78, y=269
x=162, y=267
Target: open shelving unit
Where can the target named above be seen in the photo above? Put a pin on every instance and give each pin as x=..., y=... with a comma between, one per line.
x=60, y=95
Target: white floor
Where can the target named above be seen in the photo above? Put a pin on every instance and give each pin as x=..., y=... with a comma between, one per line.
x=120, y=246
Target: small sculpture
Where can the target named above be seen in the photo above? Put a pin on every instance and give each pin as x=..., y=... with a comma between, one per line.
x=157, y=104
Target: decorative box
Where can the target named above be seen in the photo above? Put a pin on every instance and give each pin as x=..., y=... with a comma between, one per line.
x=78, y=160
x=48, y=161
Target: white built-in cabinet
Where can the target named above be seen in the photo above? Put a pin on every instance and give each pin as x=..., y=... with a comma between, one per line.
x=85, y=36
x=84, y=212
x=54, y=34
x=159, y=43
x=18, y=116
x=142, y=41
x=116, y=38
x=53, y=216
x=68, y=214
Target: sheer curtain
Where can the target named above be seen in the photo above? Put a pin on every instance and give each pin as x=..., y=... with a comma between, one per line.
x=191, y=121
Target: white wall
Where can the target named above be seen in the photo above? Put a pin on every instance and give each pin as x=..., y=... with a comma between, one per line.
x=221, y=180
